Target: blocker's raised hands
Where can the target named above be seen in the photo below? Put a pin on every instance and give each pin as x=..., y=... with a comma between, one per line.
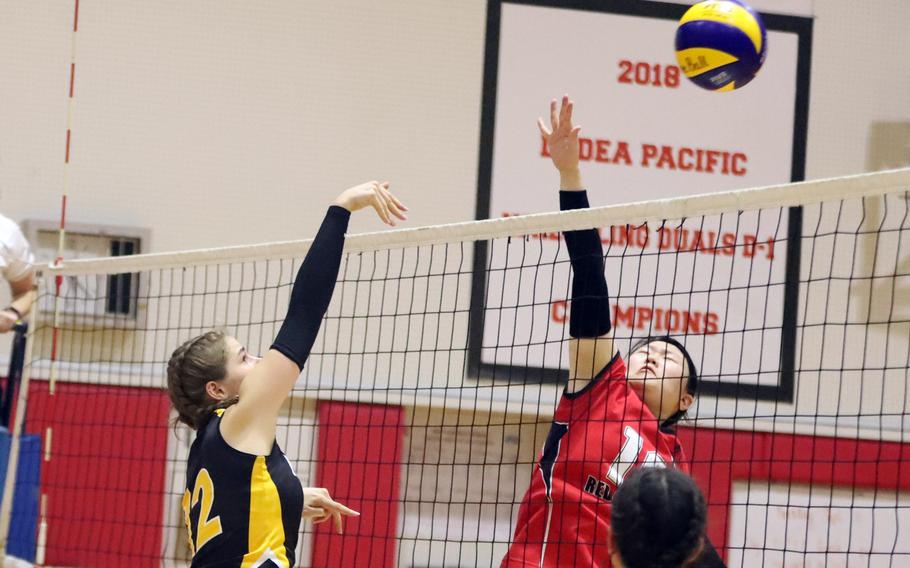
x=561, y=136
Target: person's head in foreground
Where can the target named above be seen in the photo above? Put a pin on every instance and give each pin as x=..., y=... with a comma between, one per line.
x=205, y=373
x=662, y=373
x=658, y=520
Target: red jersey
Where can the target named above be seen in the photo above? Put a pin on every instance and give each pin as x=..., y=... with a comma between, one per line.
x=598, y=435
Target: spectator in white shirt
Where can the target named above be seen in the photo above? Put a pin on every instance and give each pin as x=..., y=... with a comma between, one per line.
x=17, y=267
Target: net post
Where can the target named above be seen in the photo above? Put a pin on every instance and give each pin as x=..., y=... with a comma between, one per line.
x=15, y=373
x=6, y=506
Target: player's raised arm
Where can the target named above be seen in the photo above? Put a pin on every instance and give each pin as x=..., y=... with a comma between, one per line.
x=591, y=347
x=251, y=422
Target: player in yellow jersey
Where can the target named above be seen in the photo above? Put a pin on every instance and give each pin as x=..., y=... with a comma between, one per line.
x=243, y=503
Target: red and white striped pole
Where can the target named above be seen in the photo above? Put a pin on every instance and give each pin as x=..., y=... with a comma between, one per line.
x=58, y=283
x=66, y=179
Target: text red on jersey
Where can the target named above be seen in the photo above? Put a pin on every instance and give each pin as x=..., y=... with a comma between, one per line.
x=598, y=435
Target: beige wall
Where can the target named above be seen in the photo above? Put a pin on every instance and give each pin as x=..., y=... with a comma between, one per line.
x=222, y=123
x=225, y=122
x=219, y=123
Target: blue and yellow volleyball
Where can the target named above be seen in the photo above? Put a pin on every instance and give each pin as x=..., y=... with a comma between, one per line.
x=721, y=44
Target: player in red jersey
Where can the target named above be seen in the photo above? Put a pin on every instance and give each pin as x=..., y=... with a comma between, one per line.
x=613, y=416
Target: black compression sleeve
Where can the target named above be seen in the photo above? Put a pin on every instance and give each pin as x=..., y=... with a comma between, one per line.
x=313, y=288
x=590, y=308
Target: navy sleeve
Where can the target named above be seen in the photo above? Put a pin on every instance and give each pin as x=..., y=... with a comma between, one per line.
x=590, y=307
x=313, y=288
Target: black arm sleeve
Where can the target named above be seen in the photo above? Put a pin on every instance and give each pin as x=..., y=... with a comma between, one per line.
x=313, y=288
x=590, y=307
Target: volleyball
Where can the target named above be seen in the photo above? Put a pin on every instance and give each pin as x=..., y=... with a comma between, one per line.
x=721, y=44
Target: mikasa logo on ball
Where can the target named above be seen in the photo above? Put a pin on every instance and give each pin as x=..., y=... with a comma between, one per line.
x=723, y=9
x=691, y=67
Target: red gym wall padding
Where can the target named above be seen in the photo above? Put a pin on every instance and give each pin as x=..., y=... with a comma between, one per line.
x=105, y=480
x=359, y=462
x=105, y=483
x=720, y=457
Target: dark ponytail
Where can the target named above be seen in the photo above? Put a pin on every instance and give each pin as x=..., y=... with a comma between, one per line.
x=658, y=519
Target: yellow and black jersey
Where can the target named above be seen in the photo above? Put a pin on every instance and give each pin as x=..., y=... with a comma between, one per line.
x=241, y=510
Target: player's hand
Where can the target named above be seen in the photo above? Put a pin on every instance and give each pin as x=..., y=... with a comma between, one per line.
x=319, y=507
x=377, y=196
x=561, y=136
x=7, y=320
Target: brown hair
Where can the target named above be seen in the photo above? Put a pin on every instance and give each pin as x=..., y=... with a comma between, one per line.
x=192, y=365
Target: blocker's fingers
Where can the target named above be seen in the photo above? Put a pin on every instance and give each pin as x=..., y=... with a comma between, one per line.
x=394, y=210
x=314, y=512
x=378, y=205
x=393, y=206
x=397, y=201
x=567, y=121
x=564, y=115
x=397, y=212
x=387, y=215
x=338, y=523
x=344, y=510
x=554, y=121
x=575, y=130
x=544, y=131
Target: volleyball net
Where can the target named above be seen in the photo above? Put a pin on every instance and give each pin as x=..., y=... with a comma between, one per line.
x=431, y=387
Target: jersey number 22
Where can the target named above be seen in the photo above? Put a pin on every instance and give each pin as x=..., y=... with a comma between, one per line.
x=206, y=528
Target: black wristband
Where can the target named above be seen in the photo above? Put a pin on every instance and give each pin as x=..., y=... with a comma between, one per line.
x=19, y=315
x=569, y=200
x=313, y=288
x=589, y=315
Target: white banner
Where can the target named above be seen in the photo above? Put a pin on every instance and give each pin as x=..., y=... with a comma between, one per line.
x=647, y=133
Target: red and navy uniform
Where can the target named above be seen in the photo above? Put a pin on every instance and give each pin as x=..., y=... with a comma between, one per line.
x=598, y=435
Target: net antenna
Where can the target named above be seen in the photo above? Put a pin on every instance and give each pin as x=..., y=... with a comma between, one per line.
x=6, y=504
